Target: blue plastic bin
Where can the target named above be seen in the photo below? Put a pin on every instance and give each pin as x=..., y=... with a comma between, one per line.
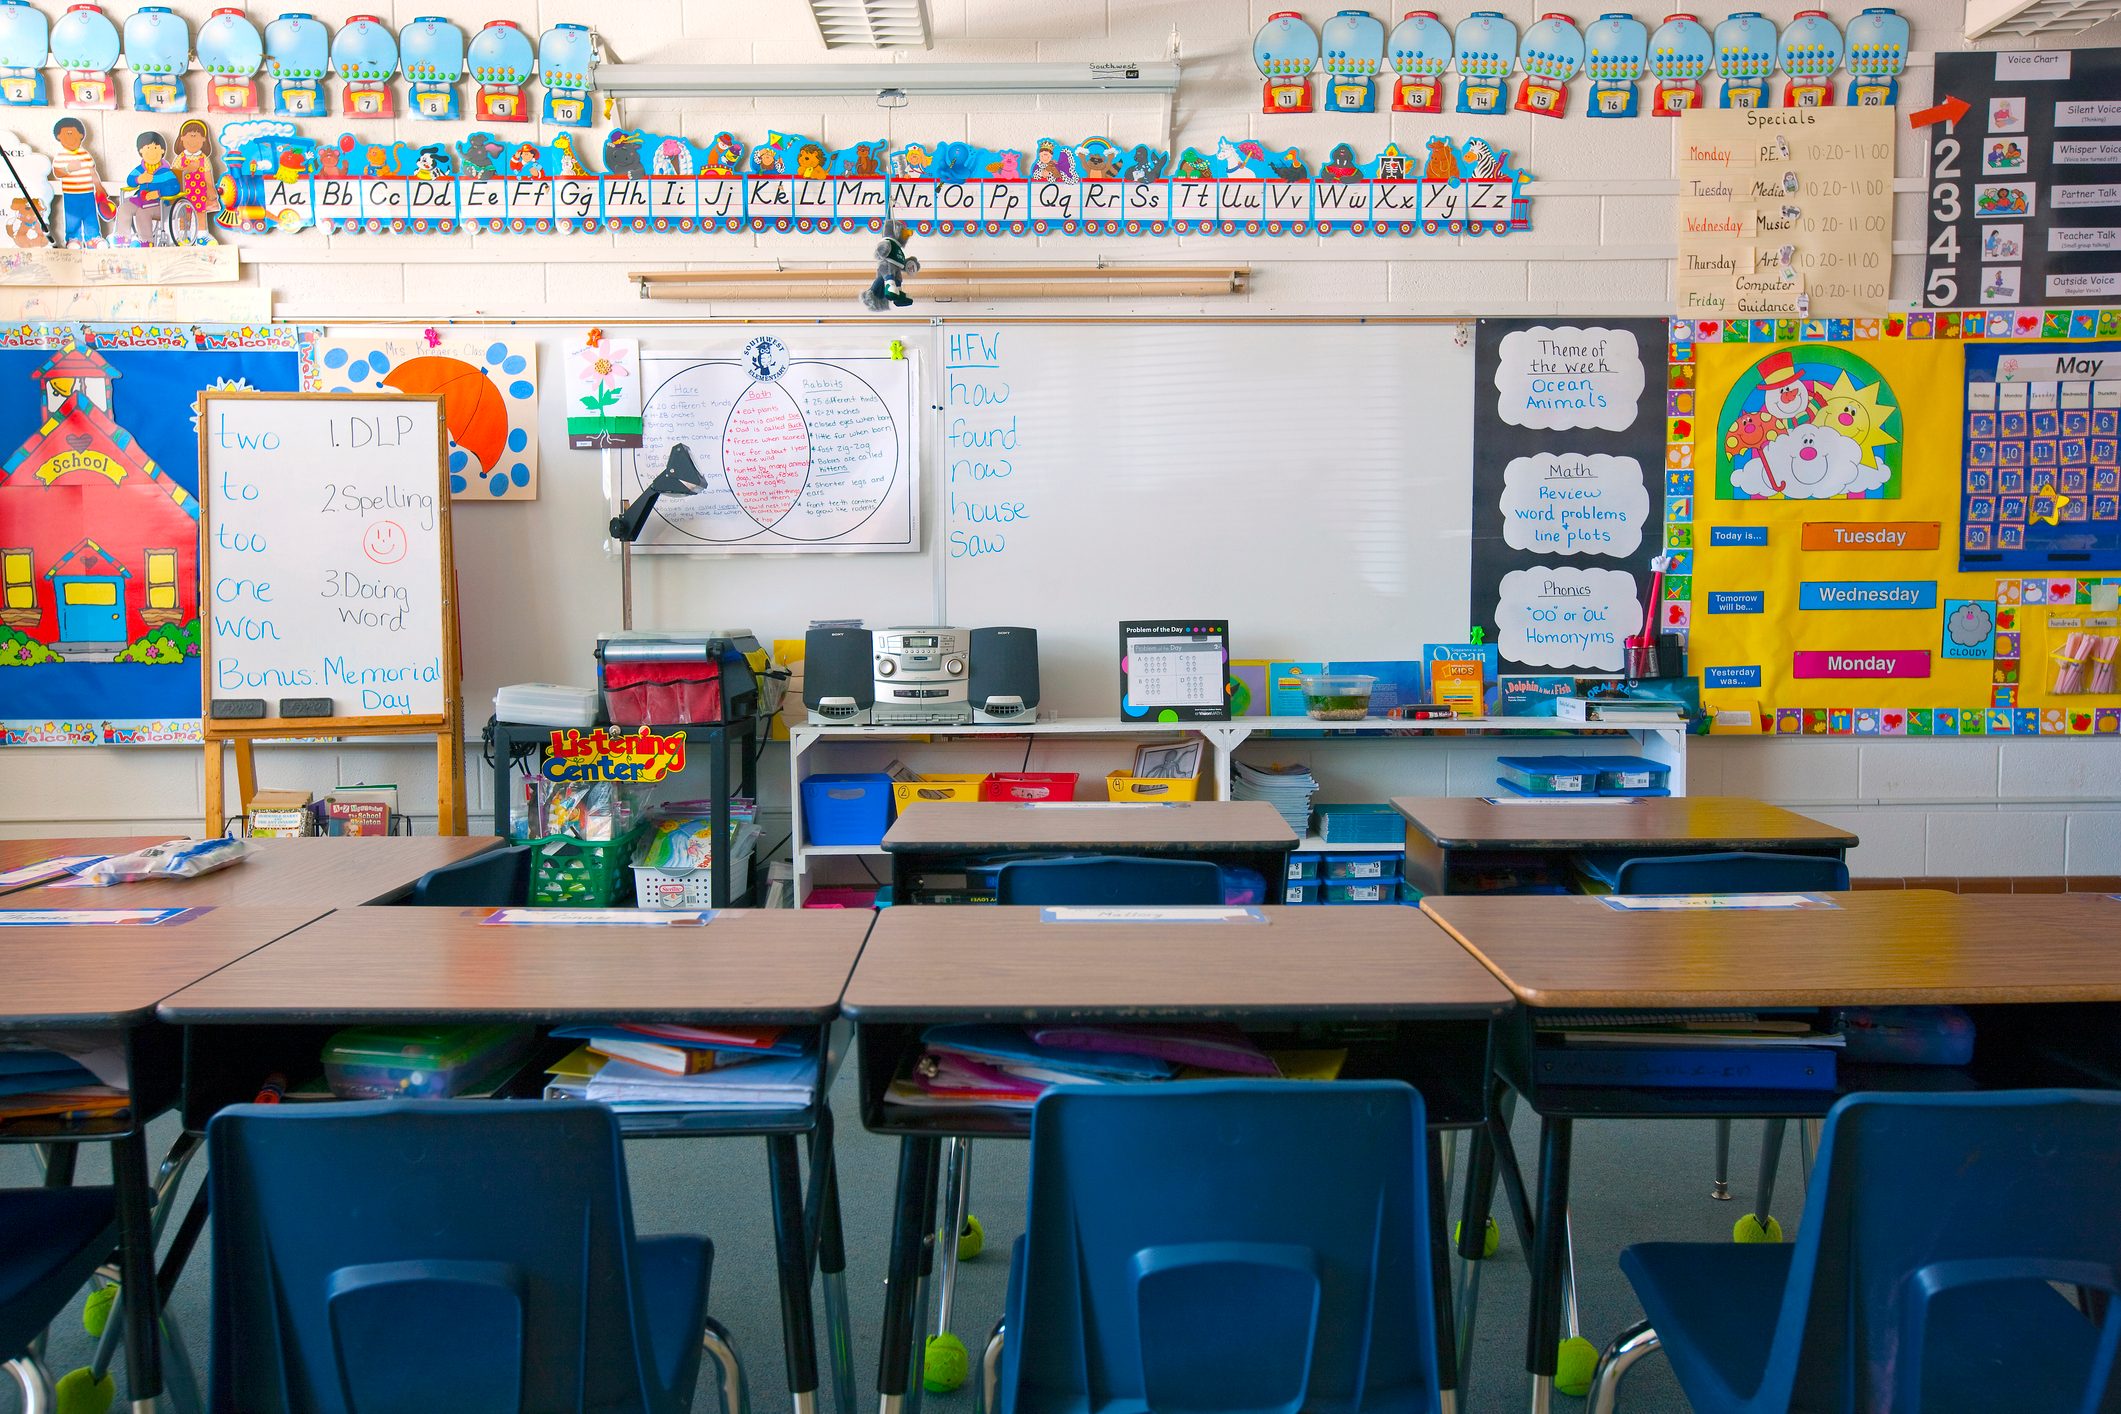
x=1631, y=775
x=849, y=808
x=1303, y=868
x=1361, y=824
x=1357, y=868
x=1549, y=775
x=1308, y=892
x=1363, y=891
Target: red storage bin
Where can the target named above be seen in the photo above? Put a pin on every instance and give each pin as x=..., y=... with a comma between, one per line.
x=662, y=694
x=1028, y=786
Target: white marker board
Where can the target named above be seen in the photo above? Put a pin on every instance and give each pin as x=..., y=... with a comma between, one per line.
x=802, y=449
x=325, y=566
x=1306, y=482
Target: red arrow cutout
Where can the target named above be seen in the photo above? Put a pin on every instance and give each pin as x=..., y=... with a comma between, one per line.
x=1949, y=112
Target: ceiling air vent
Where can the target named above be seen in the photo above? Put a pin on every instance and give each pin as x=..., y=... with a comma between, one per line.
x=871, y=24
x=2010, y=19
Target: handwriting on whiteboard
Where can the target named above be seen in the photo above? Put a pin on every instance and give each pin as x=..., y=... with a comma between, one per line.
x=981, y=440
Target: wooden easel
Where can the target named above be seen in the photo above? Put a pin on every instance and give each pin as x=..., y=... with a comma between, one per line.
x=446, y=727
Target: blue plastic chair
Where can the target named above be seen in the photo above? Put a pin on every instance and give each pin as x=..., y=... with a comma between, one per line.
x=1738, y=872
x=1109, y=881
x=1223, y=1246
x=1921, y=1279
x=445, y=1255
x=51, y=1242
x=499, y=878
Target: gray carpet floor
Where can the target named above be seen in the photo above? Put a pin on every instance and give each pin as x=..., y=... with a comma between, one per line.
x=1633, y=1182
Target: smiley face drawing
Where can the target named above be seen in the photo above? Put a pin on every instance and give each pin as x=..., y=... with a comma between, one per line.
x=384, y=542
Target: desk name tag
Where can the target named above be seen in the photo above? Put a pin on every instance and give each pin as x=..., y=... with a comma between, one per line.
x=1702, y=903
x=1151, y=915
x=595, y=917
x=92, y=917
x=1100, y=804
x=48, y=869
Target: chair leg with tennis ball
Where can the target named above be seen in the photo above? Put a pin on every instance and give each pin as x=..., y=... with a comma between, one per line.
x=1577, y=1360
x=945, y=1362
x=1759, y=1225
x=1722, y=1191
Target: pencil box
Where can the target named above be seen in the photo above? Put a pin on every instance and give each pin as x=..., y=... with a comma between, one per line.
x=1906, y=1035
x=1210, y=1046
x=1687, y=1067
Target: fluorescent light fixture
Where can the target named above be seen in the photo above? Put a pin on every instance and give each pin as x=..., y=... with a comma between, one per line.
x=810, y=80
x=871, y=24
x=2021, y=18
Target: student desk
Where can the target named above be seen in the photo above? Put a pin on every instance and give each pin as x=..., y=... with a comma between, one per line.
x=938, y=838
x=1429, y=1008
x=2027, y=964
x=274, y=1011
x=1452, y=840
x=329, y=871
x=109, y=978
x=16, y=854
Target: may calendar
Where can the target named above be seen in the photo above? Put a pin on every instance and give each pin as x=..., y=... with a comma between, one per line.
x=1175, y=671
x=2041, y=481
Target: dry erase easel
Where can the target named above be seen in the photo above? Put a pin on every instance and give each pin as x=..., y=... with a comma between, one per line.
x=294, y=531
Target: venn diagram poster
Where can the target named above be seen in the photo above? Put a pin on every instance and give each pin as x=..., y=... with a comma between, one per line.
x=800, y=450
x=1568, y=492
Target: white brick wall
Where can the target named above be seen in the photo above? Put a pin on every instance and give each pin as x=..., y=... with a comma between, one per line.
x=1600, y=244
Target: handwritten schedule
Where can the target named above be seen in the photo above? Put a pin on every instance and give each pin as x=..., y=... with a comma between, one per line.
x=1785, y=212
x=325, y=522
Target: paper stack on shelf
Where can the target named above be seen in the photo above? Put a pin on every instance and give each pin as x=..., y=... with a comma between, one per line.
x=669, y=1067
x=1288, y=788
x=39, y=1083
x=983, y=1066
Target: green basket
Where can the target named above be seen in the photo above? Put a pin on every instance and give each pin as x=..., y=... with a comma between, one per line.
x=569, y=873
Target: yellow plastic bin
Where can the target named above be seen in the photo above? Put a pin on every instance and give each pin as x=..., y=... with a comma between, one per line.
x=1144, y=789
x=932, y=789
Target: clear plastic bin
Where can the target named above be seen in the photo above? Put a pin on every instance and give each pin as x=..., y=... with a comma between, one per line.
x=1303, y=868
x=1337, y=697
x=1301, y=893
x=1549, y=775
x=1363, y=891
x=1342, y=868
x=419, y=1062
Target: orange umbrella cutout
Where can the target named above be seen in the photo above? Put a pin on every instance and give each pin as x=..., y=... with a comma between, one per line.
x=472, y=407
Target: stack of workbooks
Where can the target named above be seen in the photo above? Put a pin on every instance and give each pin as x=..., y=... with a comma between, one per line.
x=1288, y=788
x=43, y=1084
x=996, y=1066
x=1680, y=1050
x=666, y=1067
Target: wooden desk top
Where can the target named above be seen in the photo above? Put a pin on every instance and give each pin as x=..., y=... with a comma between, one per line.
x=1874, y=948
x=1004, y=964
x=341, y=872
x=1690, y=822
x=14, y=854
x=114, y=975
x=377, y=964
x=984, y=825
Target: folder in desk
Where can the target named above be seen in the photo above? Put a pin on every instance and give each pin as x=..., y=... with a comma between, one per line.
x=1687, y=1067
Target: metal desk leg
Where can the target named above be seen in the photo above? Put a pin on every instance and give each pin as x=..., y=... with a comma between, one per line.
x=1440, y=1273
x=1549, y=1251
x=1472, y=1245
x=136, y=1264
x=503, y=753
x=916, y=1189
x=798, y=1334
x=832, y=1268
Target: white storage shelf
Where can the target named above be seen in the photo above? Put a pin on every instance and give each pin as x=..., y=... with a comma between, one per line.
x=1661, y=740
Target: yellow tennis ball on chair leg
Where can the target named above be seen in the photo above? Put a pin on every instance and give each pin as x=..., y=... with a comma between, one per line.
x=1490, y=1238
x=95, y=1312
x=78, y=1394
x=973, y=1240
x=944, y=1364
x=1748, y=1229
x=1574, y=1364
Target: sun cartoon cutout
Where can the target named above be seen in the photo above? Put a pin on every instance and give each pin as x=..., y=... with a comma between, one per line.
x=1857, y=414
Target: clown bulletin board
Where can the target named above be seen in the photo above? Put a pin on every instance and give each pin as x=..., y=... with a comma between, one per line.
x=1852, y=564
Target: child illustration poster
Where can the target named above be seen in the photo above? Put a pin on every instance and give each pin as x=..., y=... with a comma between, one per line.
x=604, y=393
x=83, y=205
x=1810, y=422
x=489, y=391
x=98, y=516
x=1831, y=580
